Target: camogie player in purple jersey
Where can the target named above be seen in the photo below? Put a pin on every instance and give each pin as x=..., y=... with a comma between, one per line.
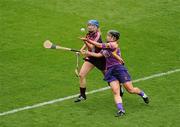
x=90, y=62
x=116, y=72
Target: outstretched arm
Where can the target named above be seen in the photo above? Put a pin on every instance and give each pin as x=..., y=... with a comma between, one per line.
x=99, y=45
x=87, y=45
x=87, y=53
x=87, y=41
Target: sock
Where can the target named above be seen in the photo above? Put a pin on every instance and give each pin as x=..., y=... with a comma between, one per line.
x=82, y=91
x=120, y=107
x=142, y=94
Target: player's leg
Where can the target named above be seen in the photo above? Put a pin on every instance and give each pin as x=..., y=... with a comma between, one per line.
x=121, y=87
x=135, y=90
x=86, y=67
x=117, y=98
x=124, y=77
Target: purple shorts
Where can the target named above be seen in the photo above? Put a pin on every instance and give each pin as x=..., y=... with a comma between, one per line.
x=99, y=63
x=117, y=72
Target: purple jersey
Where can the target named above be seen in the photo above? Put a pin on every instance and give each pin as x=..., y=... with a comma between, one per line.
x=114, y=69
x=108, y=54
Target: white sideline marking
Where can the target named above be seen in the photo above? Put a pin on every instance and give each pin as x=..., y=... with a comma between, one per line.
x=90, y=92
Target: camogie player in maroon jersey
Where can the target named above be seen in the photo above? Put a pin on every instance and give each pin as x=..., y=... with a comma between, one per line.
x=90, y=62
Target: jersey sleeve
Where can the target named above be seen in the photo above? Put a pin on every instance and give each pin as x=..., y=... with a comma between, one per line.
x=108, y=46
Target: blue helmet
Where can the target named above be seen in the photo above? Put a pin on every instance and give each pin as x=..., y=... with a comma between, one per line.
x=94, y=22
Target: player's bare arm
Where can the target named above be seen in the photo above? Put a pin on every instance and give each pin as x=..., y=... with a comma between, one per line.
x=90, y=46
x=87, y=53
x=100, y=45
x=118, y=57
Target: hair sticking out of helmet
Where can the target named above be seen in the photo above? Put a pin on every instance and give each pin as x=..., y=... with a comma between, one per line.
x=94, y=22
x=114, y=33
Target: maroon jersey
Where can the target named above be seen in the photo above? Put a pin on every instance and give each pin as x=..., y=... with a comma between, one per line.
x=100, y=63
x=95, y=37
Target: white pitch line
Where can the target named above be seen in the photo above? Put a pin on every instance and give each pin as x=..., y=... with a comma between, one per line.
x=90, y=92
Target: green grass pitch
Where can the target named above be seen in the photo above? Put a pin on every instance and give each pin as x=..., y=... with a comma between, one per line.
x=30, y=74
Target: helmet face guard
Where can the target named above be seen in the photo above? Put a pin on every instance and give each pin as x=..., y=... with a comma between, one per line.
x=114, y=33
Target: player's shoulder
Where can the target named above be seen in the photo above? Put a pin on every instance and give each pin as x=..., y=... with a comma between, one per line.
x=113, y=45
x=98, y=33
x=97, y=37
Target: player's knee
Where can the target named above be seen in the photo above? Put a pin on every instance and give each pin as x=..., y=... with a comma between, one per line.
x=115, y=92
x=81, y=75
x=131, y=90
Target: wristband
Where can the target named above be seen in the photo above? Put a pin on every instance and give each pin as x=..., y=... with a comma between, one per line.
x=103, y=45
